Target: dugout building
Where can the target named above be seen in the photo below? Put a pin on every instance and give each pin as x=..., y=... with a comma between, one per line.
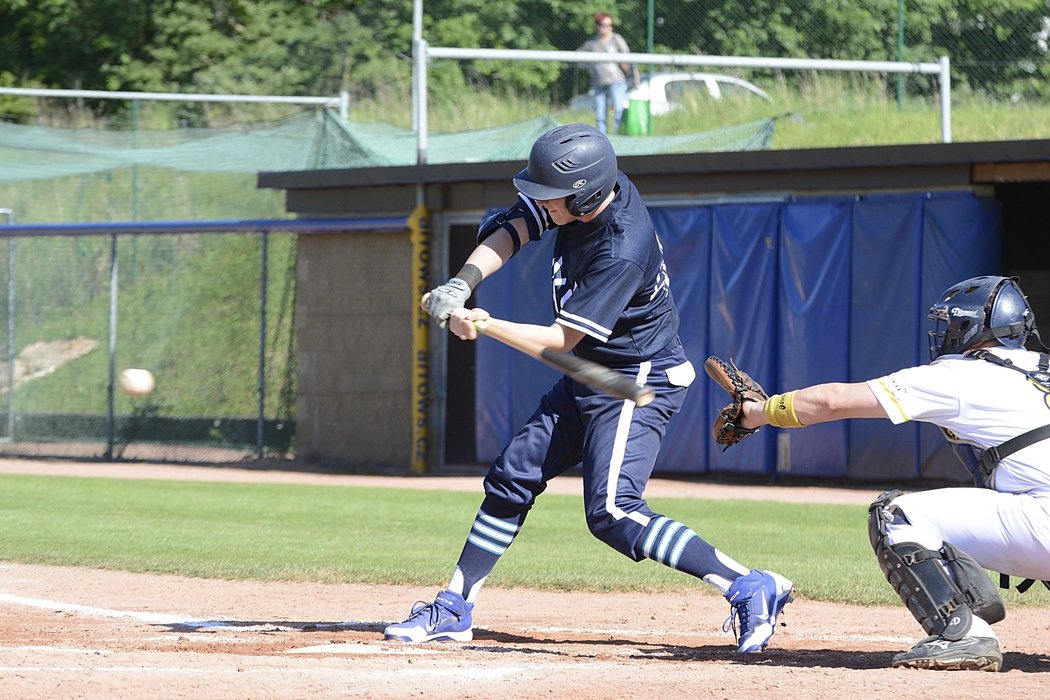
x=805, y=266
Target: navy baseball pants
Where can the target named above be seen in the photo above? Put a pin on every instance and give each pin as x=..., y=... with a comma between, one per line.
x=614, y=442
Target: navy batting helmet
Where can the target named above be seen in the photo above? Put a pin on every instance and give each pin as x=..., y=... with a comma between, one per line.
x=575, y=161
x=980, y=309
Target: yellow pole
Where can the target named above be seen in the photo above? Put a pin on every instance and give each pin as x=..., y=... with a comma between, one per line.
x=419, y=227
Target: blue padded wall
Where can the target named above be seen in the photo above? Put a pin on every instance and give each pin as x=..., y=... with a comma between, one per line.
x=813, y=311
x=797, y=291
x=884, y=332
x=743, y=280
x=685, y=234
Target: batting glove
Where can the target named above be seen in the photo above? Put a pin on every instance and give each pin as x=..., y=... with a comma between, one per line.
x=447, y=298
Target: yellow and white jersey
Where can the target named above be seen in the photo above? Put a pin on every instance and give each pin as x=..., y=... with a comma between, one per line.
x=978, y=403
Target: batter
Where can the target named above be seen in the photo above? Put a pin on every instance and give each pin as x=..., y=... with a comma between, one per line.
x=612, y=304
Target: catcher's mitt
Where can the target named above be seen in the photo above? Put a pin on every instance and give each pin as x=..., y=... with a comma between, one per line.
x=727, y=429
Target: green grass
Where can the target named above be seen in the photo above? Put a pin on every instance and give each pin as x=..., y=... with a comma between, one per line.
x=336, y=534
x=864, y=119
x=817, y=110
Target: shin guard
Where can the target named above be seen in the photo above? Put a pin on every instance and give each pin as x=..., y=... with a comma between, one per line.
x=942, y=602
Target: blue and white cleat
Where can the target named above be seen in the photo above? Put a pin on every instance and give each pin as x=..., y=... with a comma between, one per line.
x=448, y=618
x=757, y=599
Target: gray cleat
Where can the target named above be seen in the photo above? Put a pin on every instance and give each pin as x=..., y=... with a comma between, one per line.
x=966, y=654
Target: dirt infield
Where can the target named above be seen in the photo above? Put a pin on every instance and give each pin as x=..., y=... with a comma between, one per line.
x=85, y=633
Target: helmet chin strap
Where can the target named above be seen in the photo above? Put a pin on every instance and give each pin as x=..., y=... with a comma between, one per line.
x=595, y=203
x=592, y=204
x=1006, y=332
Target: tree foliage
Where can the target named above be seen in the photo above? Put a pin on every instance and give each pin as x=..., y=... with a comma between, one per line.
x=320, y=47
x=72, y=43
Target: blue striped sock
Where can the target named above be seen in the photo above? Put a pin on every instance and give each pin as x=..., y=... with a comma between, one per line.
x=672, y=544
x=489, y=538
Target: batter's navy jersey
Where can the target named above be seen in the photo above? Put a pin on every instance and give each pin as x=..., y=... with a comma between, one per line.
x=609, y=281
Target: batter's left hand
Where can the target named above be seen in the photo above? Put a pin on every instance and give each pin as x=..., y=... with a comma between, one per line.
x=461, y=322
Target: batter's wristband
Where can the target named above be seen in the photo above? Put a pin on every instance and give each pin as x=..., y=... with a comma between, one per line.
x=471, y=274
x=780, y=411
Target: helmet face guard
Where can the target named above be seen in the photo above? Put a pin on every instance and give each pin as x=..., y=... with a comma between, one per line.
x=576, y=162
x=977, y=310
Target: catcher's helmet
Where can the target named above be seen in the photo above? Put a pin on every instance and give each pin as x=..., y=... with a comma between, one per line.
x=980, y=309
x=575, y=161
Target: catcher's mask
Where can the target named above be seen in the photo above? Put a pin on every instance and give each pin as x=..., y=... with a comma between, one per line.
x=980, y=309
x=575, y=161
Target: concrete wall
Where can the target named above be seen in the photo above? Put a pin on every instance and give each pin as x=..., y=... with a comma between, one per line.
x=353, y=320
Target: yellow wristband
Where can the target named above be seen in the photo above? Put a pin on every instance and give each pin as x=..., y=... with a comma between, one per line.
x=780, y=411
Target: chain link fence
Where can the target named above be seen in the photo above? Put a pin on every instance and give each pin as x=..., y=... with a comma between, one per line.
x=998, y=49
x=210, y=315
x=998, y=54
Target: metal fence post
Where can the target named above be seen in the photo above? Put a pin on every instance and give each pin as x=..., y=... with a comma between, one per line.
x=420, y=52
x=900, y=53
x=344, y=105
x=11, y=354
x=261, y=423
x=110, y=419
x=946, y=99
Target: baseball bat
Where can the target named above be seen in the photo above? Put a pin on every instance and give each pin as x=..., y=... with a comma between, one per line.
x=601, y=379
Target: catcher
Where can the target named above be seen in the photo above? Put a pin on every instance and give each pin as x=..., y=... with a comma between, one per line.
x=991, y=399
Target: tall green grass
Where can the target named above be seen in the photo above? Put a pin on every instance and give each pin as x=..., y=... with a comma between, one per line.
x=818, y=110
x=337, y=534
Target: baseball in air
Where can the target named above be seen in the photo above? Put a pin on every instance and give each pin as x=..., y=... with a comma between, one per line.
x=136, y=382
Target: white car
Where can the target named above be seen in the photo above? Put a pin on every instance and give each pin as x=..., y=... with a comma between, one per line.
x=668, y=91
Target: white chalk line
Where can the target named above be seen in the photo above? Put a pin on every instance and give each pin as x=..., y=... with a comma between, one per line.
x=693, y=634
x=344, y=676
x=367, y=649
x=610, y=630
x=195, y=623
x=151, y=618
x=494, y=673
x=226, y=626
x=167, y=619
x=61, y=650
x=171, y=670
